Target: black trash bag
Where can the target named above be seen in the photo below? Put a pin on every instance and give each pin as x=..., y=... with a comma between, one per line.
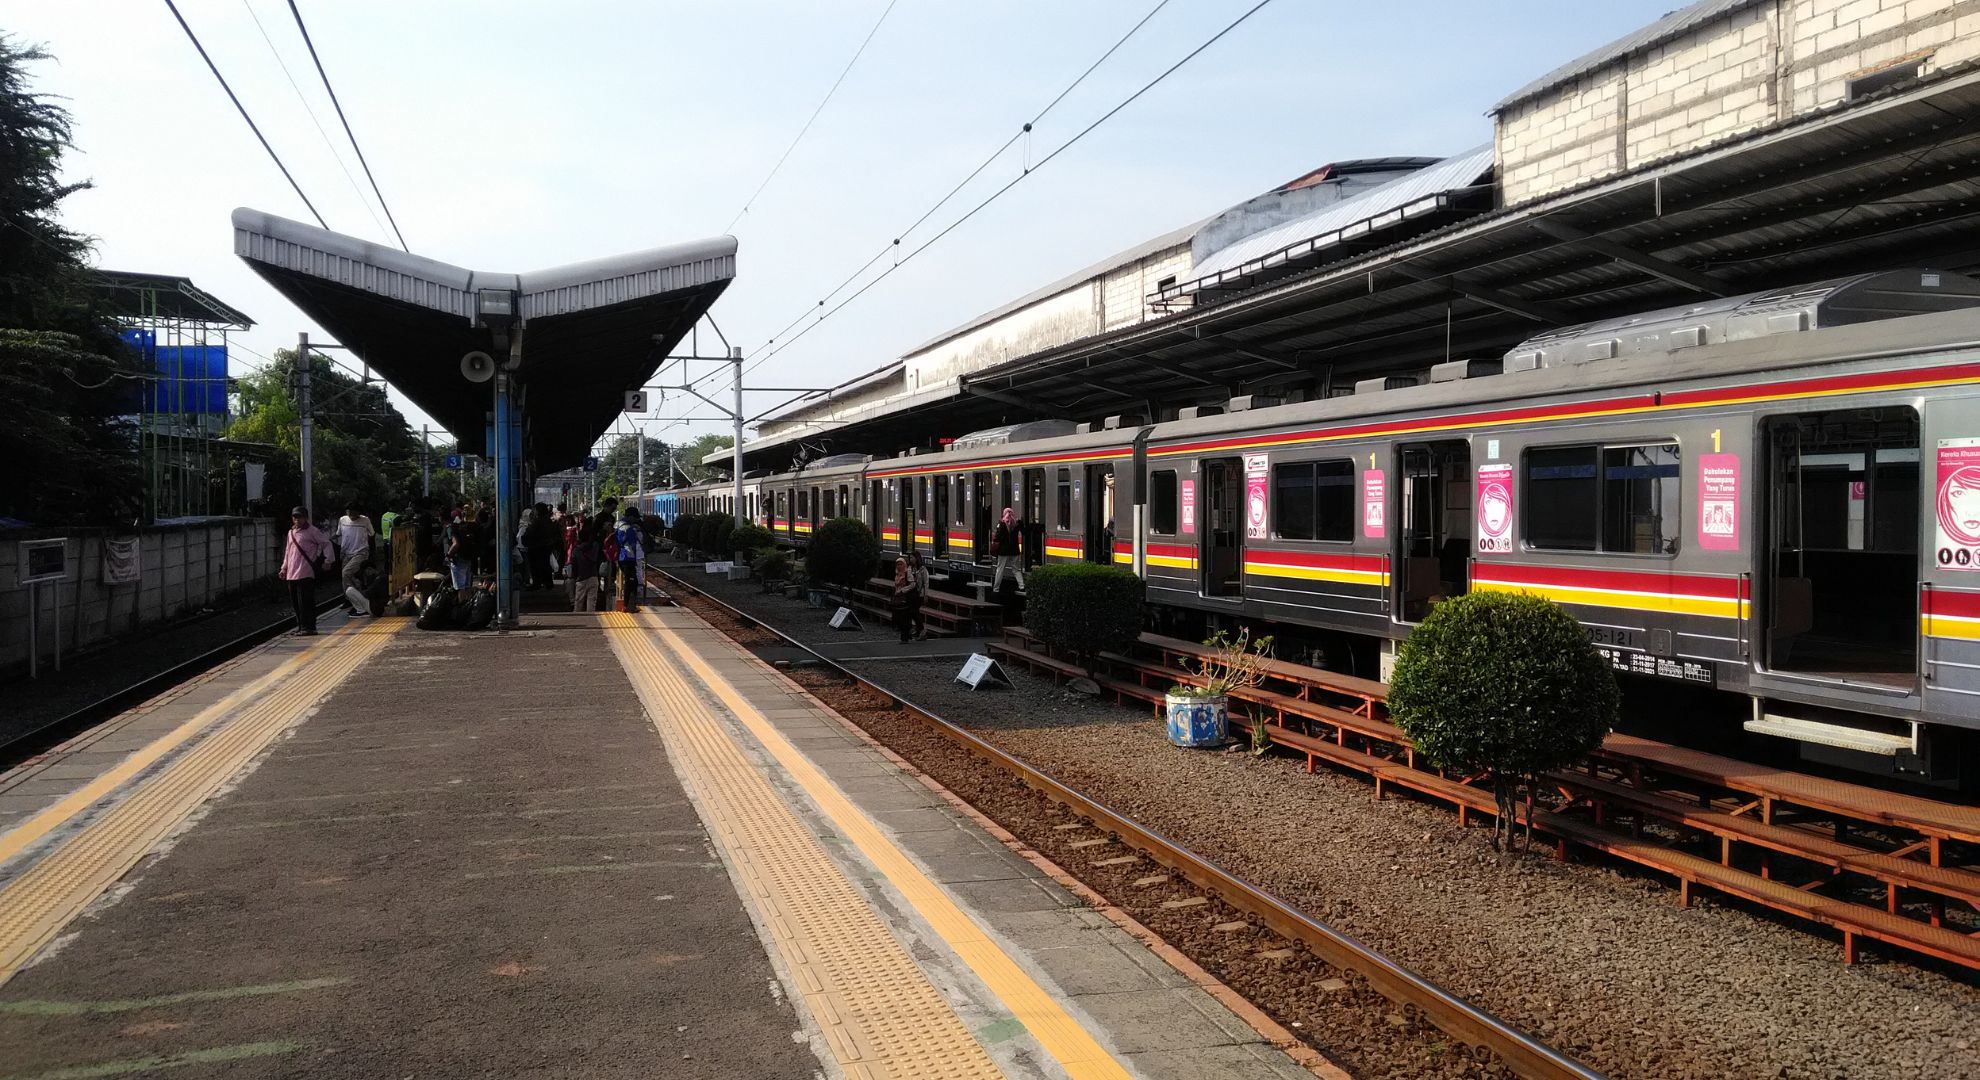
x=463, y=605
x=438, y=614
x=407, y=607
x=480, y=610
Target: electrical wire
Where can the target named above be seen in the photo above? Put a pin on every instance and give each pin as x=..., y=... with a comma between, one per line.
x=318, y=124
x=747, y=203
x=339, y=106
x=242, y=109
x=978, y=171
x=1013, y=182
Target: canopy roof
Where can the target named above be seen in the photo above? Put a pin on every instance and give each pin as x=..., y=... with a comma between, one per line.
x=588, y=331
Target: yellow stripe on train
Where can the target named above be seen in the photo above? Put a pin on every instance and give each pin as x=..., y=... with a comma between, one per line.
x=1316, y=573
x=1719, y=607
x=1950, y=626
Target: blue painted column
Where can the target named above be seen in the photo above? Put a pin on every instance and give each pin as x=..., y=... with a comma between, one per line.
x=505, y=506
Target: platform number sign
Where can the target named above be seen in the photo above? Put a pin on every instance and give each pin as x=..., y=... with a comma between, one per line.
x=453, y=461
x=1957, y=505
x=635, y=401
x=591, y=464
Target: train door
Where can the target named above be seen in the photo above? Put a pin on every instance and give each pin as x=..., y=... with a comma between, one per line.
x=875, y=499
x=1840, y=593
x=1433, y=542
x=1099, y=505
x=983, y=518
x=1033, y=514
x=1221, y=531
x=939, y=518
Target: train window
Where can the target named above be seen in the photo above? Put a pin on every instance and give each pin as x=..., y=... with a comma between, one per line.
x=1621, y=499
x=1313, y=500
x=1064, y=499
x=1162, y=502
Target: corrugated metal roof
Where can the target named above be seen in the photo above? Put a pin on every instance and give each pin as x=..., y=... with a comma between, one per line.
x=1676, y=24
x=1339, y=221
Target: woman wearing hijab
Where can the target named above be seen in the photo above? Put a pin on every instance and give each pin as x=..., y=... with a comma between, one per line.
x=904, y=605
x=1004, y=548
x=917, y=595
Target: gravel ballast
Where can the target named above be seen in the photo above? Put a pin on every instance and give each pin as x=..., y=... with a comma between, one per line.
x=1598, y=962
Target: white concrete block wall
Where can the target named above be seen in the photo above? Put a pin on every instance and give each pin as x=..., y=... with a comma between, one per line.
x=182, y=569
x=1749, y=70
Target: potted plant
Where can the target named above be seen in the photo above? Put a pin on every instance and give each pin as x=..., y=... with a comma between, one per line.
x=1199, y=710
x=774, y=568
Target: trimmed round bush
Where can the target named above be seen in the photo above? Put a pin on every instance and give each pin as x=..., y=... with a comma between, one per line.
x=748, y=539
x=842, y=552
x=684, y=531
x=1505, y=684
x=725, y=527
x=1084, y=608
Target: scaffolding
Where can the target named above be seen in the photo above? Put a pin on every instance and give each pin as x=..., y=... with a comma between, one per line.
x=182, y=412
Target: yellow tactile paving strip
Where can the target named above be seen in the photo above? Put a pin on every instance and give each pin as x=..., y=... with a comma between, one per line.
x=37, y=904
x=878, y=1013
x=1057, y=1032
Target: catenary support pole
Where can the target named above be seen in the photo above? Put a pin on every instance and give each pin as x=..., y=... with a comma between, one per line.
x=639, y=470
x=303, y=406
x=736, y=454
x=425, y=463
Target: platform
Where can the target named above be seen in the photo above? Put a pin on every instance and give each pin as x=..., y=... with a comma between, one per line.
x=607, y=845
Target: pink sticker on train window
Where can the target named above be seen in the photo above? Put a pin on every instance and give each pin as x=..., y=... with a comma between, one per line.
x=1718, y=502
x=1374, y=503
x=1189, y=506
x=1495, y=508
x=1958, y=505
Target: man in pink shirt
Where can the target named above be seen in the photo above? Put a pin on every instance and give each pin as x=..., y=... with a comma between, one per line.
x=302, y=551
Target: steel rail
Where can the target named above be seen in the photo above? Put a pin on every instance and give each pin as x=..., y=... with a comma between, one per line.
x=1488, y=1036
x=20, y=746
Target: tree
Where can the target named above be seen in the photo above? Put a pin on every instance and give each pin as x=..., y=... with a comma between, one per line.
x=689, y=457
x=1504, y=684
x=363, y=449
x=748, y=539
x=68, y=445
x=843, y=552
x=1084, y=608
x=618, y=466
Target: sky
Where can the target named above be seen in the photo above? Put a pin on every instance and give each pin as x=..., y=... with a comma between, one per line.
x=508, y=136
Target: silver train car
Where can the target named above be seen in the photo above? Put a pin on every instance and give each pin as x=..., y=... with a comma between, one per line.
x=1775, y=496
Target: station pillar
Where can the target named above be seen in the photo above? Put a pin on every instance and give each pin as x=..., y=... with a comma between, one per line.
x=507, y=470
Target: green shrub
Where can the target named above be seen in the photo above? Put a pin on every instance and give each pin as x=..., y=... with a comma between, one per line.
x=772, y=566
x=725, y=527
x=1505, y=684
x=843, y=552
x=683, y=532
x=1084, y=608
x=748, y=539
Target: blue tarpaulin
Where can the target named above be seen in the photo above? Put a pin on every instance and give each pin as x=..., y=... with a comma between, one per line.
x=191, y=378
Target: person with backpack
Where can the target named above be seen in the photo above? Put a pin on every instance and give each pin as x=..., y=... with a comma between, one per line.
x=630, y=555
x=585, y=556
x=305, y=554
x=606, y=523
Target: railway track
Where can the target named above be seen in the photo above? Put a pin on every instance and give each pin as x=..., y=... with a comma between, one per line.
x=22, y=745
x=1491, y=1042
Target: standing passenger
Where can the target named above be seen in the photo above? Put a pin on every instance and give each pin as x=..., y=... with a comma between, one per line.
x=917, y=595
x=303, y=555
x=1004, y=548
x=631, y=556
x=354, y=539
x=607, y=523
x=584, y=568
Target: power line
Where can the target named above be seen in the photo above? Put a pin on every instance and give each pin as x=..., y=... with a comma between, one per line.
x=747, y=203
x=1014, y=181
x=325, y=76
x=318, y=124
x=974, y=173
x=194, y=38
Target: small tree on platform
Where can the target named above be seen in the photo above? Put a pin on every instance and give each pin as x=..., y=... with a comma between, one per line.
x=686, y=526
x=1506, y=685
x=1084, y=608
x=843, y=552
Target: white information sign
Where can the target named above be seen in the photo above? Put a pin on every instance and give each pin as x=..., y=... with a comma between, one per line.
x=845, y=619
x=979, y=668
x=717, y=567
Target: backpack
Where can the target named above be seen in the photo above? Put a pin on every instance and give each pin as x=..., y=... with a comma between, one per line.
x=626, y=544
x=610, y=547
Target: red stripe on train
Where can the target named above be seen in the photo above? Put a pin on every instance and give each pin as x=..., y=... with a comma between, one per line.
x=1963, y=605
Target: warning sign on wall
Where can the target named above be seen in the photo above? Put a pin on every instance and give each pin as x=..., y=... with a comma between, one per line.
x=1495, y=508
x=1718, y=502
x=1958, y=511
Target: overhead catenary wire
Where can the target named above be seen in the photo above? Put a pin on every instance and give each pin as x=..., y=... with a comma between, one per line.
x=341, y=118
x=973, y=173
x=242, y=109
x=847, y=70
x=303, y=99
x=1013, y=182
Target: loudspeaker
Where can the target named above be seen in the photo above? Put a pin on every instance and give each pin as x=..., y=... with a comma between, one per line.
x=477, y=367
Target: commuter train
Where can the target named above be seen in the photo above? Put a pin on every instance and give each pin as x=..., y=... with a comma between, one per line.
x=1774, y=495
